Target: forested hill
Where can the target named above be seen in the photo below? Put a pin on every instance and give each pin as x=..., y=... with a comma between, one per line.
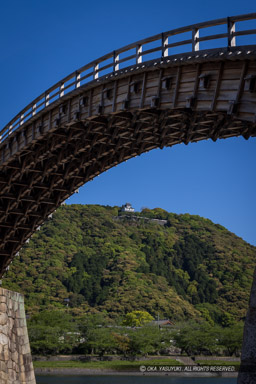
x=101, y=260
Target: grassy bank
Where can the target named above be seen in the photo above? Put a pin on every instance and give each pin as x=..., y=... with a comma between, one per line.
x=111, y=365
x=218, y=362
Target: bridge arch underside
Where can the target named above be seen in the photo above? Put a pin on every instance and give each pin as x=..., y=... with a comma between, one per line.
x=112, y=120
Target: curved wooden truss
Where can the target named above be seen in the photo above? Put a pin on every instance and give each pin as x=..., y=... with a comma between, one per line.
x=47, y=153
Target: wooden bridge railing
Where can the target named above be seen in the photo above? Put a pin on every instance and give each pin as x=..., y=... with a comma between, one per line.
x=135, y=54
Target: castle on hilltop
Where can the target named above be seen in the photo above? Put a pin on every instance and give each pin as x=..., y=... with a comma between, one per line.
x=127, y=208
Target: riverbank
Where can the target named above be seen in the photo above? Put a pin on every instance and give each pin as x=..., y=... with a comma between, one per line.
x=146, y=367
x=106, y=365
x=104, y=372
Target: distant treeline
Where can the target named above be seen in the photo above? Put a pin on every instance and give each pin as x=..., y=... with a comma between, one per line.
x=57, y=332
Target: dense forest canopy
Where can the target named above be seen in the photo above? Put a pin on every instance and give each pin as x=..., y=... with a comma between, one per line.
x=96, y=259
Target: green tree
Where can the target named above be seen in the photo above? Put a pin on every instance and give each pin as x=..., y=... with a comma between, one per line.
x=197, y=338
x=145, y=340
x=122, y=343
x=52, y=332
x=101, y=341
x=227, y=319
x=137, y=318
x=231, y=338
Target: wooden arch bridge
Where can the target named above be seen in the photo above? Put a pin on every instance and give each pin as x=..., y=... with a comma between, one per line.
x=137, y=98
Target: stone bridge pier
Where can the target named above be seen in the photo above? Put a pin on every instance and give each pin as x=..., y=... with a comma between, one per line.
x=247, y=374
x=16, y=365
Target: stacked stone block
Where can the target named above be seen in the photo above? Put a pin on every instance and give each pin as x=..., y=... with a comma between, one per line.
x=247, y=375
x=16, y=365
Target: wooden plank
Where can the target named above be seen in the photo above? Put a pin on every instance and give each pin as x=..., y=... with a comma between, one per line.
x=90, y=103
x=222, y=105
x=164, y=45
x=130, y=57
x=241, y=81
x=179, y=43
x=231, y=29
x=217, y=88
x=230, y=85
x=247, y=108
x=152, y=50
x=177, y=84
x=249, y=98
x=248, y=117
x=114, y=96
x=213, y=37
x=152, y=83
x=96, y=71
x=248, y=16
x=143, y=90
x=138, y=53
x=195, y=39
x=186, y=87
x=196, y=82
x=203, y=105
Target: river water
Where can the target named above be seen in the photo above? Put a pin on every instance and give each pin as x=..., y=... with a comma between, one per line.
x=131, y=380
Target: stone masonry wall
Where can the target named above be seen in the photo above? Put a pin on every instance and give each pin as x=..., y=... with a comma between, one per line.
x=16, y=365
x=247, y=375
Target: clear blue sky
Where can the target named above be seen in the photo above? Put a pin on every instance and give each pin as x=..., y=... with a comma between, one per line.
x=43, y=41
